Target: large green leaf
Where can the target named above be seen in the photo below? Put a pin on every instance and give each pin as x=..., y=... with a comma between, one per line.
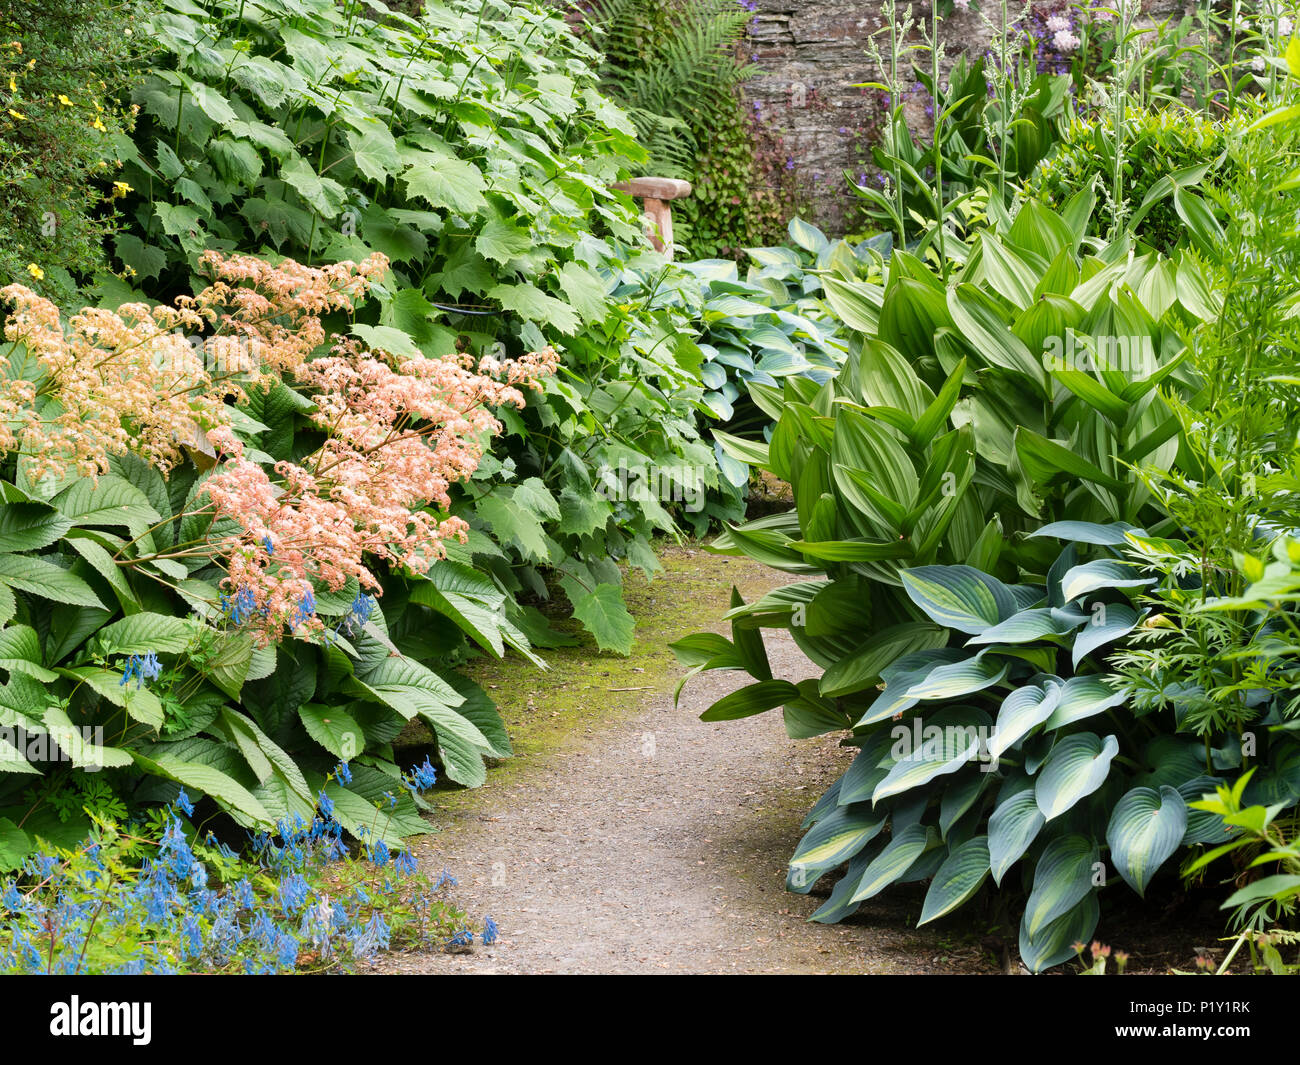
x=1145, y=829
x=26, y=573
x=1022, y=711
x=892, y=862
x=334, y=729
x=1055, y=942
x=1064, y=875
x=960, y=876
x=1013, y=826
x=959, y=597
x=1077, y=766
x=750, y=700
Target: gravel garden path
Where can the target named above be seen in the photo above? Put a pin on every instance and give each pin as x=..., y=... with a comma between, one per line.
x=627, y=836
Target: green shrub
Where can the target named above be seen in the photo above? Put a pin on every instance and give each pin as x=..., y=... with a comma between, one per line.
x=63, y=65
x=1007, y=410
x=473, y=148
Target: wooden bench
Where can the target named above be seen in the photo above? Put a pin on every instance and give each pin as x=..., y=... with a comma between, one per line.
x=656, y=194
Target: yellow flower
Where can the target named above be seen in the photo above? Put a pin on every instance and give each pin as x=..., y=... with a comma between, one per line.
x=64, y=100
x=35, y=271
x=97, y=124
x=120, y=189
x=31, y=64
x=13, y=85
x=17, y=115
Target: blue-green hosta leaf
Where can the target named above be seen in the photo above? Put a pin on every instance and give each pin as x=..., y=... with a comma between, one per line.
x=1055, y=942
x=1146, y=827
x=901, y=675
x=929, y=747
x=1101, y=573
x=892, y=862
x=1076, y=767
x=836, y=838
x=1203, y=826
x=1029, y=625
x=1109, y=621
x=1013, y=826
x=1083, y=697
x=1022, y=711
x=1063, y=876
x=959, y=678
x=959, y=597
x=960, y=795
x=1086, y=532
x=960, y=876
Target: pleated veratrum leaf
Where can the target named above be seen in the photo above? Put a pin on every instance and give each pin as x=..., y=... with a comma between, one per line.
x=751, y=699
x=1046, y=462
x=1062, y=877
x=837, y=837
x=1022, y=711
x=892, y=862
x=863, y=668
x=1013, y=826
x=960, y=876
x=1055, y=942
x=900, y=676
x=1082, y=697
x=1076, y=767
x=1101, y=573
x=1029, y=625
x=959, y=678
x=959, y=597
x=1146, y=827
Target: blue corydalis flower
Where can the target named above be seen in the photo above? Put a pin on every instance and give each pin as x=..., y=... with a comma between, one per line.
x=490, y=931
x=142, y=668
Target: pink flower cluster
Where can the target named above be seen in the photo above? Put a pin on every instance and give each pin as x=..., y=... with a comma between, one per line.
x=398, y=432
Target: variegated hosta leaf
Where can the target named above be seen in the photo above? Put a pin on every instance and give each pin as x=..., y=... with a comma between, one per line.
x=1083, y=697
x=1024, y=710
x=1030, y=625
x=960, y=597
x=1107, y=623
x=835, y=839
x=892, y=862
x=1086, y=532
x=1076, y=767
x=927, y=747
x=959, y=678
x=1102, y=573
x=900, y=676
x=1013, y=826
x=1055, y=942
x=1145, y=828
x=960, y=876
x=1064, y=874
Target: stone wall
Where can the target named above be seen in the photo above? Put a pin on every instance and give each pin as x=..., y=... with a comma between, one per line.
x=812, y=55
